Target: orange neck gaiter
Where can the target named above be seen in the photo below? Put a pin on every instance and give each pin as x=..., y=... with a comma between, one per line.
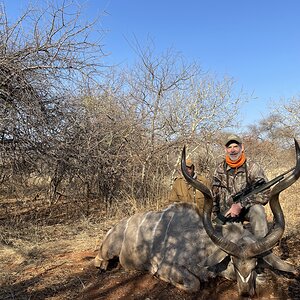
x=236, y=164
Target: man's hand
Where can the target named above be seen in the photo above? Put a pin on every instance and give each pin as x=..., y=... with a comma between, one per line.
x=234, y=210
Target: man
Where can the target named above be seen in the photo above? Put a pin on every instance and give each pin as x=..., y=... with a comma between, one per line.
x=231, y=176
x=182, y=191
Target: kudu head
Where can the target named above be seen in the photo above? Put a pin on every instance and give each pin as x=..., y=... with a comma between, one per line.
x=244, y=253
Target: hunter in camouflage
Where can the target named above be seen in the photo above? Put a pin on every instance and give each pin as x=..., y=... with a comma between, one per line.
x=234, y=174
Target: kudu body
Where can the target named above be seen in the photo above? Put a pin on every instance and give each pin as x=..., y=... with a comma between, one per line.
x=181, y=246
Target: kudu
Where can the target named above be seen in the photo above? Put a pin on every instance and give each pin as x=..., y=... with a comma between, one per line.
x=181, y=246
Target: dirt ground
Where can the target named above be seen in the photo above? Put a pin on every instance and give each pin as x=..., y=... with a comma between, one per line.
x=56, y=262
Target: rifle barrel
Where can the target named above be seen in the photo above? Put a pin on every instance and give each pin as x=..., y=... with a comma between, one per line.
x=262, y=187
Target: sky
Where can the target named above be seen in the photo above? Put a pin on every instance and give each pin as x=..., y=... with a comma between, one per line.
x=257, y=42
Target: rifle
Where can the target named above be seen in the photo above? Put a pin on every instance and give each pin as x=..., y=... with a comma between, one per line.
x=256, y=188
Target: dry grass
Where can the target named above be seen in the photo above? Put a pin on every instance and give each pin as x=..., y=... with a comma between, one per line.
x=47, y=262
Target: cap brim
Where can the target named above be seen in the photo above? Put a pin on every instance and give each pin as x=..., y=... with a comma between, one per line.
x=233, y=141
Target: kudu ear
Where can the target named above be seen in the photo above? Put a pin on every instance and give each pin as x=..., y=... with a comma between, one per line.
x=215, y=258
x=277, y=263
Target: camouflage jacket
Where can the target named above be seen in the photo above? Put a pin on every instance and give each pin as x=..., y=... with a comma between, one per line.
x=228, y=181
x=182, y=191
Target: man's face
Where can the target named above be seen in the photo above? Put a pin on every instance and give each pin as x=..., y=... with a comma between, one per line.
x=190, y=170
x=234, y=151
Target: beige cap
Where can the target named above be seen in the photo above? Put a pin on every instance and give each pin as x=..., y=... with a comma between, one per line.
x=189, y=162
x=232, y=138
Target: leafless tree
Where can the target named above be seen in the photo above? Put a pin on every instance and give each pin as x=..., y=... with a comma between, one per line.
x=273, y=135
x=176, y=103
x=113, y=139
x=44, y=54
